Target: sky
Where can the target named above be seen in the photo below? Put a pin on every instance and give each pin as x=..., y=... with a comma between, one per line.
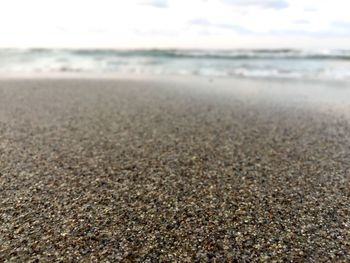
x=175, y=23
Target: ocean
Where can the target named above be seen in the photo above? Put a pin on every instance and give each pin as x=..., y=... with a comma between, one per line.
x=262, y=63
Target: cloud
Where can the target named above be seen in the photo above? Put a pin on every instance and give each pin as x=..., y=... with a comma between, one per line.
x=340, y=28
x=155, y=32
x=341, y=25
x=202, y=22
x=155, y=3
x=318, y=34
x=266, y=4
x=301, y=22
x=310, y=9
x=335, y=29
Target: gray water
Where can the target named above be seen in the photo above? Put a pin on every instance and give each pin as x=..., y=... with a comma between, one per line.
x=282, y=63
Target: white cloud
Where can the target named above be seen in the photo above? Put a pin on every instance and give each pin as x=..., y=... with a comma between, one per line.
x=155, y=3
x=175, y=23
x=274, y=4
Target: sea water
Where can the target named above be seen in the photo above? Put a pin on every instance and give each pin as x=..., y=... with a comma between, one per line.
x=280, y=63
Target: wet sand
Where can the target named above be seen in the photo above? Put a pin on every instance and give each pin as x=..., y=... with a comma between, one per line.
x=148, y=171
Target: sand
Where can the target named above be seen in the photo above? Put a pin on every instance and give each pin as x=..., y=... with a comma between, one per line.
x=147, y=171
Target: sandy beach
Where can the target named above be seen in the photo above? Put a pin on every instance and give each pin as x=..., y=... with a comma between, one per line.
x=133, y=170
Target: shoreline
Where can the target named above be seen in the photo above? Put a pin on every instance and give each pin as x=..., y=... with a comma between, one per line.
x=320, y=95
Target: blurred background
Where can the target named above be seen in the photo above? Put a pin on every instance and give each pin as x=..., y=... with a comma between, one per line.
x=289, y=39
